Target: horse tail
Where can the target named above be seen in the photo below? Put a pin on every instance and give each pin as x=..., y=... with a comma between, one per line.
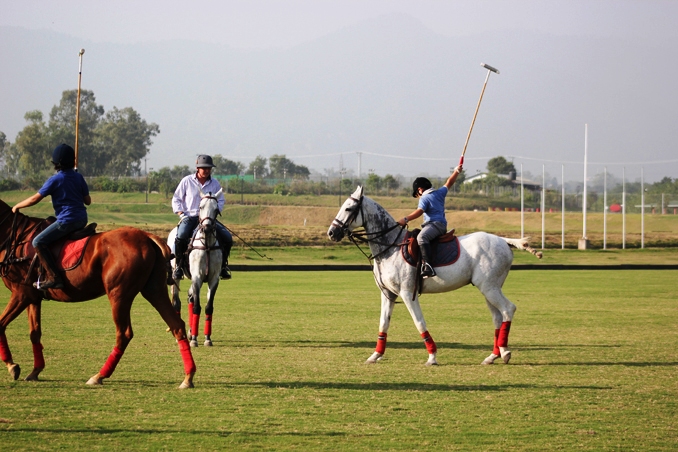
x=523, y=244
x=166, y=254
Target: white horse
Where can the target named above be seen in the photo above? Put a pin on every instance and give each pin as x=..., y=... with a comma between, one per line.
x=484, y=261
x=205, y=264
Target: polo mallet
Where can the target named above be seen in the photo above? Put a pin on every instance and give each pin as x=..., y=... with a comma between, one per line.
x=77, y=108
x=489, y=69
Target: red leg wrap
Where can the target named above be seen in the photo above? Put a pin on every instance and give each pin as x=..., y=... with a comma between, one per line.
x=195, y=325
x=5, y=354
x=428, y=341
x=208, y=325
x=190, y=315
x=111, y=362
x=495, y=350
x=502, y=340
x=38, y=357
x=185, y=349
x=381, y=343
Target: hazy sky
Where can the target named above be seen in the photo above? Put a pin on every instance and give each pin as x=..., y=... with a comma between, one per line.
x=270, y=23
x=257, y=24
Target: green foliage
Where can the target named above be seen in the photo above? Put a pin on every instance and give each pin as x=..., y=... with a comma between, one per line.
x=225, y=167
x=112, y=144
x=499, y=165
x=258, y=167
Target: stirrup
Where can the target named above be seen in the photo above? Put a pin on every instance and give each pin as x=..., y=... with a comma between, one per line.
x=178, y=273
x=427, y=271
x=225, y=272
x=50, y=284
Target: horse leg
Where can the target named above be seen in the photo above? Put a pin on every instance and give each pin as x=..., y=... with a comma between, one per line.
x=387, y=305
x=33, y=312
x=502, y=311
x=194, y=297
x=121, y=307
x=18, y=302
x=177, y=326
x=176, y=301
x=209, y=309
x=418, y=317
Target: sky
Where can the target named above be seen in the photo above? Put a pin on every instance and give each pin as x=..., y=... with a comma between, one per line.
x=263, y=24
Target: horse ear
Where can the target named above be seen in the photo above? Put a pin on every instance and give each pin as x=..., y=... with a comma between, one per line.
x=202, y=195
x=219, y=192
x=358, y=193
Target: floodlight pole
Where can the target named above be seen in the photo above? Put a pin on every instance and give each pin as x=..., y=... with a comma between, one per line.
x=522, y=204
x=642, y=210
x=605, y=210
x=543, y=203
x=77, y=108
x=623, y=208
x=562, y=196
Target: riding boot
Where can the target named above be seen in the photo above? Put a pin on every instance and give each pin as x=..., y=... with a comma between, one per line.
x=180, y=247
x=426, y=268
x=225, y=271
x=52, y=278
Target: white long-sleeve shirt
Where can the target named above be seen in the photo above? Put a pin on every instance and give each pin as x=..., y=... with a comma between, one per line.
x=186, y=197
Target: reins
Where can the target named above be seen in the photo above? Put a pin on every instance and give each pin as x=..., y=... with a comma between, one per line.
x=15, y=239
x=368, y=237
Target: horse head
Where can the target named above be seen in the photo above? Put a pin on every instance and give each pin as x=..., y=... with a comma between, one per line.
x=209, y=209
x=349, y=216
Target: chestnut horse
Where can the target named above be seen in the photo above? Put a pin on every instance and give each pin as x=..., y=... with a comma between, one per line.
x=120, y=264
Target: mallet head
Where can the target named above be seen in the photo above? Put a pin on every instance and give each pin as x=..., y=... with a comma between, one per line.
x=81, y=52
x=490, y=68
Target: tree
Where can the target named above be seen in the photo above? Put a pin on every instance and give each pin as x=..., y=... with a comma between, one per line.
x=258, y=168
x=123, y=139
x=390, y=183
x=283, y=168
x=373, y=183
x=225, y=166
x=62, y=126
x=499, y=165
x=32, y=152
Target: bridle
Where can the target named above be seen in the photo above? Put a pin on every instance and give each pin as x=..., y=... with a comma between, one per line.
x=208, y=226
x=364, y=236
x=19, y=234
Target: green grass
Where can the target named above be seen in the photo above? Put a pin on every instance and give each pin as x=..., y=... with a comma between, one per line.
x=594, y=368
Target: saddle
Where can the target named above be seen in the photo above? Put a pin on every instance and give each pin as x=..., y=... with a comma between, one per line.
x=444, y=249
x=67, y=251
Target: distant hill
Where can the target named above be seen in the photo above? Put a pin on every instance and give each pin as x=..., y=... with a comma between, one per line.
x=386, y=86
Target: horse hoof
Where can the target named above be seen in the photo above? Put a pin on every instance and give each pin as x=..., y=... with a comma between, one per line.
x=96, y=380
x=506, y=356
x=374, y=358
x=187, y=383
x=14, y=370
x=431, y=363
x=33, y=376
x=194, y=343
x=490, y=359
x=208, y=343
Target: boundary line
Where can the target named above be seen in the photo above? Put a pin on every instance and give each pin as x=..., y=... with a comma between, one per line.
x=365, y=267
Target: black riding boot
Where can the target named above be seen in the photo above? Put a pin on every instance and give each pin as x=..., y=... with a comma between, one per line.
x=426, y=268
x=225, y=271
x=52, y=277
x=180, y=247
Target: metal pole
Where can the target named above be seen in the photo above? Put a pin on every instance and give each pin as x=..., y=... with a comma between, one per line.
x=623, y=208
x=148, y=182
x=543, y=203
x=586, y=145
x=642, y=210
x=77, y=108
x=605, y=210
x=562, y=226
x=522, y=204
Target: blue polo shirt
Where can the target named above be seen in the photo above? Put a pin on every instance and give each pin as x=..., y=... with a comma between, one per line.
x=432, y=202
x=68, y=190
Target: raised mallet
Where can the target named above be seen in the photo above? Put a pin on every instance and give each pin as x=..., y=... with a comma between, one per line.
x=77, y=108
x=489, y=69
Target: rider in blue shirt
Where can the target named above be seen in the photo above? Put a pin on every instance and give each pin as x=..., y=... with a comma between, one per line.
x=432, y=206
x=70, y=194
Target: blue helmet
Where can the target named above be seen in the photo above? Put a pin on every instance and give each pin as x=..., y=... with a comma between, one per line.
x=63, y=156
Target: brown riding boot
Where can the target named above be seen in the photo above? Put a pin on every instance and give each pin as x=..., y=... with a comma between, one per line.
x=52, y=278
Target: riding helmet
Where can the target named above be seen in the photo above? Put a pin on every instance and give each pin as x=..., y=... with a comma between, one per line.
x=204, y=161
x=63, y=156
x=420, y=182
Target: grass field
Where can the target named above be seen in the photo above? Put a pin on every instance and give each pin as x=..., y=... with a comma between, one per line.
x=594, y=368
